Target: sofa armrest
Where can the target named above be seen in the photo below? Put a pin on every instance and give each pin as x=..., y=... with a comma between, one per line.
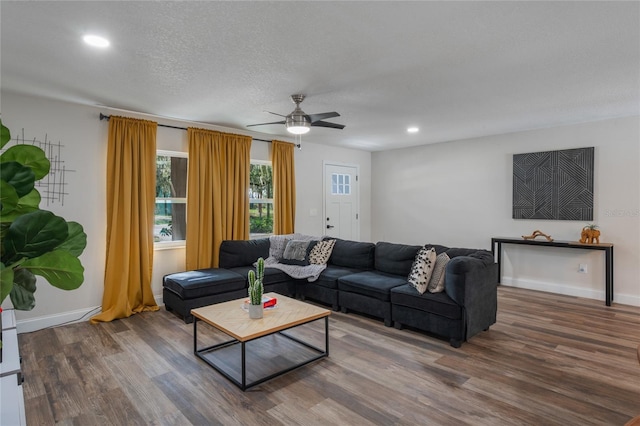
x=472, y=282
x=467, y=275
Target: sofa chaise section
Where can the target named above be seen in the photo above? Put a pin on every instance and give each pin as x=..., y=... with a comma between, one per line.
x=189, y=290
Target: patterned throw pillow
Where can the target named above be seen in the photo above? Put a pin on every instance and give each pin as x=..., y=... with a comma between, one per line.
x=321, y=253
x=297, y=252
x=436, y=283
x=277, y=244
x=422, y=269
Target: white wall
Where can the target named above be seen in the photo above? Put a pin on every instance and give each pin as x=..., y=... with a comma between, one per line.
x=310, y=196
x=459, y=194
x=84, y=152
x=84, y=138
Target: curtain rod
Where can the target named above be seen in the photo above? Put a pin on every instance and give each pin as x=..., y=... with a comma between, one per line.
x=107, y=117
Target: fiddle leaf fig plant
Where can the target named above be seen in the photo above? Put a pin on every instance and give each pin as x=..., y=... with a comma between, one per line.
x=33, y=241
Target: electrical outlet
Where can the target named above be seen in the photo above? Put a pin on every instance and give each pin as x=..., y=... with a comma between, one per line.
x=582, y=268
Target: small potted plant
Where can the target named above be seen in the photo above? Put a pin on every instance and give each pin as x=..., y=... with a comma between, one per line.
x=590, y=234
x=255, y=290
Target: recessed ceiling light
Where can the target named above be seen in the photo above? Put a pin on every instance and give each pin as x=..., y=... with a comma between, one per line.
x=96, y=41
x=412, y=130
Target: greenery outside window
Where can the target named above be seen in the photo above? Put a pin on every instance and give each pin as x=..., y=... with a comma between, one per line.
x=170, y=224
x=260, y=199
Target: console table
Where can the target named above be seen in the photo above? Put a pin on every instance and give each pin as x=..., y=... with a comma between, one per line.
x=496, y=247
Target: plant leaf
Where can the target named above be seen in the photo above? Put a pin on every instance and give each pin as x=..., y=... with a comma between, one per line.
x=6, y=281
x=5, y=135
x=26, y=204
x=23, y=292
x=59, y=267
x=30, y=156
x=8, y=198
x=20, y=177
x=76, y=241
x=33, y=234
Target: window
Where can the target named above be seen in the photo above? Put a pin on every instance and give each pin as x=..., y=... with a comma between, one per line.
x=260, y=199
x=340, y=184
x=170, y=223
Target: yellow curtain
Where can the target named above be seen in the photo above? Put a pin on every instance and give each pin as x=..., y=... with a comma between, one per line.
x=284, y=187
x=131, y=192
x=217, y=194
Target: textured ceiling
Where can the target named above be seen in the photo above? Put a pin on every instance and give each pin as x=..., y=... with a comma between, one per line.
x=455, y=69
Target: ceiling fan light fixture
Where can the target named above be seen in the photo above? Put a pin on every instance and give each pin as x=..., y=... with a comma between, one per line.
x=299, y=129
x=96, y=41
x=298, y=122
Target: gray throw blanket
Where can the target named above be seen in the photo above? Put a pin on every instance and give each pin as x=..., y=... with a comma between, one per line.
x=276, y=250
x=310, y=272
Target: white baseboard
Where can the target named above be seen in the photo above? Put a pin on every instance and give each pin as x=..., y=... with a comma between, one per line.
x=551, y=287
x=39, y=323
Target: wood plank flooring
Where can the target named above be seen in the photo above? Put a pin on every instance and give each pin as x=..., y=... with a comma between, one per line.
x=549, y=360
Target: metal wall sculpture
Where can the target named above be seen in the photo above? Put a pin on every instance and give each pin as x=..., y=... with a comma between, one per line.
x=555, y=185
x=53, y=188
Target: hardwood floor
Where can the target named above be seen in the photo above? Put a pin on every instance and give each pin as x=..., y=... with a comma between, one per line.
x=549, y=360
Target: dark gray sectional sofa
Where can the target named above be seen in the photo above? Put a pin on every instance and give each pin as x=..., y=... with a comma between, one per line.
x=360, y=277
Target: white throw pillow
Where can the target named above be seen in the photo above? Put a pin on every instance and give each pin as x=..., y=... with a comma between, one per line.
x=436, y=283
x=321, y=253
x=422, y=269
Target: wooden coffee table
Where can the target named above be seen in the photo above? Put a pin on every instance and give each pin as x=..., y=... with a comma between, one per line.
x=276, y=352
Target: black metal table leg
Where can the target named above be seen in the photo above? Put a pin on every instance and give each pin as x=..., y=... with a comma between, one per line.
x=244, y=366
x=609, y=275
x=326, y=335
x=195, y=335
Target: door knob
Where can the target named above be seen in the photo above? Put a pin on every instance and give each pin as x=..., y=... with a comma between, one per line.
x=330, y=226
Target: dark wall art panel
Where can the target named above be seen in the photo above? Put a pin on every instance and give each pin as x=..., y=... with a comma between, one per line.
x=554, y=185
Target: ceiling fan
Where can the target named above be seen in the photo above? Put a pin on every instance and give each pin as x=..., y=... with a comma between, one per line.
x=299, y=123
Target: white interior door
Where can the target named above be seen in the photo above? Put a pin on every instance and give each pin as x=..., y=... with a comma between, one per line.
x=341, y=201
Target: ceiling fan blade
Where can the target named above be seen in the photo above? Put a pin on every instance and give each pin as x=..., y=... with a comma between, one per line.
x=264, y=124
x=327, y=124
x=322, y=116
x=275, y=113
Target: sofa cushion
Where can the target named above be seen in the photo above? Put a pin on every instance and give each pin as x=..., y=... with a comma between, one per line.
x=271, y=275
x=352, y=254
x=370, y=283
x=321, y=252
x=204, y=282
x=436, y=283
x=329, y=277
x=422, y=269
x=395, y=258
x=436, y=303
x=439, y=249
x=241, y=253
x=484, y=256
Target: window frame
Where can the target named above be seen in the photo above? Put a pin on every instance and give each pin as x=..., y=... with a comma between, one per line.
x=165, y=245
x=253, y=236
x=343, y=184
